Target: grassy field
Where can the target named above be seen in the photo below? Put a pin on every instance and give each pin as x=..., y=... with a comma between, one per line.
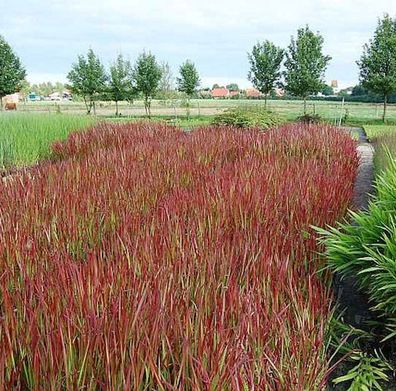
x=26, y=138
x=384, y=139
x=355, y=113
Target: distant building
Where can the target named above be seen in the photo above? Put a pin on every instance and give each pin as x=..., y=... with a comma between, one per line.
x=12, y=98
x=33, y=97
x=221, y=92
x=58, y=96
x=280, y=92
x=335, y=86
x=253, y=93
x=234, y=94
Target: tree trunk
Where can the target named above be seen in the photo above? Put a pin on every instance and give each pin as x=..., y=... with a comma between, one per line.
x=147, y=107
x=1, y=103
x=265, y=101
x=116, y=102
x=188, y=108
x=88, y=108
x=305, y=105
x=385, y=107
x=94, y=107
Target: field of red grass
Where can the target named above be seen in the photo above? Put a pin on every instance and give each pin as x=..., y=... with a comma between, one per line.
x=146, y=258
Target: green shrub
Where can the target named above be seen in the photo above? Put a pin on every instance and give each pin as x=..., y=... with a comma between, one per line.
x=367, y=374
x=248, y=117
x=366, y=247
x=310, y=119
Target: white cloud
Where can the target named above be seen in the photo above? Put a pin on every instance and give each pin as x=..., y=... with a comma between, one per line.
x=48, y=34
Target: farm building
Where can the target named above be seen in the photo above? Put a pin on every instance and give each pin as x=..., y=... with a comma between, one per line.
x=13, y=98
x=57, y=96
x=33, y=97
x=221, y=92
x=253, y=93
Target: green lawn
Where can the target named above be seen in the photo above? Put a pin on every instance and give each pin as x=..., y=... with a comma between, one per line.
x=355, y=113
x=26, y=138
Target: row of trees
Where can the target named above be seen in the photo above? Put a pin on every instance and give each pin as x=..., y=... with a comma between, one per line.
x=300, y=69
x=124, y=82
x=305, y=64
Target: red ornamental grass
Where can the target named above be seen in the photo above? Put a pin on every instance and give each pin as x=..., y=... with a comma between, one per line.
x=147, y=258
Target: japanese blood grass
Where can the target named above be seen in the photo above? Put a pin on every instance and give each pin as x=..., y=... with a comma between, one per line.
x=26, y=138
x=155, y=259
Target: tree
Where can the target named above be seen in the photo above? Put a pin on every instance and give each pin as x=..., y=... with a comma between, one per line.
x=215, y=86
x=88, y=78
x=188, y=81
x=359, y=90
x=12, y=73
x=147, y=75
x=120, y=81
x=166, y=84
x=327, y=90
x=378, y=62
x=265, y=63
x=305, y=65
x=232, y=87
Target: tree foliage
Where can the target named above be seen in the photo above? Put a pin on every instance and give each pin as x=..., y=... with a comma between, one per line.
x=88, y=78
x=147, y=75
x=120, y=82
x=305, y=64
x=232, y=87
x=12, y=73
x=166, y=88
x=265, y=67
x=327, y=90
x=188, y=81
x=378, y=62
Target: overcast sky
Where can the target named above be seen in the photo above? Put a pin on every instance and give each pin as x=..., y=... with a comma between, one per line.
x=215, y=34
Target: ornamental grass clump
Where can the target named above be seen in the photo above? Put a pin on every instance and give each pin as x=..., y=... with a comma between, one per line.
x=366, y=247
x=145, y=258
x=248, y=117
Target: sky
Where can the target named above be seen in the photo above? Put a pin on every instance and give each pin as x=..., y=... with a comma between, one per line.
x=48, y=35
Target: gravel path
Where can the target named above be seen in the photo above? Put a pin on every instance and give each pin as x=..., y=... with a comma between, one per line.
x=365, y=178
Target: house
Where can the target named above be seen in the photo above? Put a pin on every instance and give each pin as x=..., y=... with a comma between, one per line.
x=33, y=97
x=253, y=93
x=234, y=94
x=58, y=96
x=221, y=92
x=55, y=96
x=280, y=92
x=334, y=85
x=12, y=98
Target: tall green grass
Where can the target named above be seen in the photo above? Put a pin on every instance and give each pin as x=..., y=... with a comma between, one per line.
x=366, y=247
x=384, y=139
x=26, y=138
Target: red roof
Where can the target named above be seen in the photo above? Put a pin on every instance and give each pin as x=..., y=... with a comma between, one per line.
x=221, y=92
x=252, y=93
